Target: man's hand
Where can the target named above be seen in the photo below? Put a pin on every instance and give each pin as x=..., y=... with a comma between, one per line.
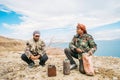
x=34, y=57
x=38, y=56
x=79, y=50
x=90, y=53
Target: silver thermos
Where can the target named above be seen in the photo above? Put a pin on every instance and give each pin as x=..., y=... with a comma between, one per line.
x=66, y=67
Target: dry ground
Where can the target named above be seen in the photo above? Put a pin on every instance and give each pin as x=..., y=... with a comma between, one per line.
x=13, y=68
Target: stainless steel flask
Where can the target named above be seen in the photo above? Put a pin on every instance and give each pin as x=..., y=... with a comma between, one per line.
x=66, y=67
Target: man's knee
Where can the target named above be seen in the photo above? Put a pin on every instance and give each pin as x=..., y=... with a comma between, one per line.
x=66, y=50
x=23, y=56
x=44, y=57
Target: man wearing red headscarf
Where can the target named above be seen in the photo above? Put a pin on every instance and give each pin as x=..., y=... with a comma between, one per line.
x=82, y=43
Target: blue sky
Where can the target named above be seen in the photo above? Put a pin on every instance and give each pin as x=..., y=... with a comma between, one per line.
x=8, y=18
x=57, y=19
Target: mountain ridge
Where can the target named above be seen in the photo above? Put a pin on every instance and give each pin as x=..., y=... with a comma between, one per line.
x=10, y=44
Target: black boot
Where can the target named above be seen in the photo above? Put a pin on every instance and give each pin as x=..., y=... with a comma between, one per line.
x=31, y=65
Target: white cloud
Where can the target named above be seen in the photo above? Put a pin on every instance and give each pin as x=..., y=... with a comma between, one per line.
x=46, y=14
x=91, y=13
x=4, y=9
x=107, y=34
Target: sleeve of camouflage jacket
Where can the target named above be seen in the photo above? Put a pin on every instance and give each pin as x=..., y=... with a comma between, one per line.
x=43, y=45
x=27, y=49
x=72, y=44
x=41, y=51
x=92, y=44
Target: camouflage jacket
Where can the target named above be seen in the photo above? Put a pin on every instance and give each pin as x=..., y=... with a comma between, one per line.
x=85, y=43
x=34, y=47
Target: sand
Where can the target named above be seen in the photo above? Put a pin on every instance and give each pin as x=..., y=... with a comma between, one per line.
x=13, y=68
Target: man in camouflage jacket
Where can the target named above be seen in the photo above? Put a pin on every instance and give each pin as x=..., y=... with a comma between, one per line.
x=82, y=43
x=35, y=50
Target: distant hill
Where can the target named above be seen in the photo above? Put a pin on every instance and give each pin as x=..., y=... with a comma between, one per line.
x=9, y=44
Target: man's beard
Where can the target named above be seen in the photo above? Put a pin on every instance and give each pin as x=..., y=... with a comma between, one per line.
x=36, y=40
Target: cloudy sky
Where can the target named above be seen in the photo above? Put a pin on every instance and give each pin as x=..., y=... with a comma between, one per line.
x=57, y=19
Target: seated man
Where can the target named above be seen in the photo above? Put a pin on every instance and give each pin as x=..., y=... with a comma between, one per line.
x=81, y=44
x=35, y=50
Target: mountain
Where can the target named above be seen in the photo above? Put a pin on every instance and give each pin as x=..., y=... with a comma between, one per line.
x=9, y=44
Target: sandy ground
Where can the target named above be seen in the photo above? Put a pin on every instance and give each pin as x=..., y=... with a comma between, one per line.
x=13, y=68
